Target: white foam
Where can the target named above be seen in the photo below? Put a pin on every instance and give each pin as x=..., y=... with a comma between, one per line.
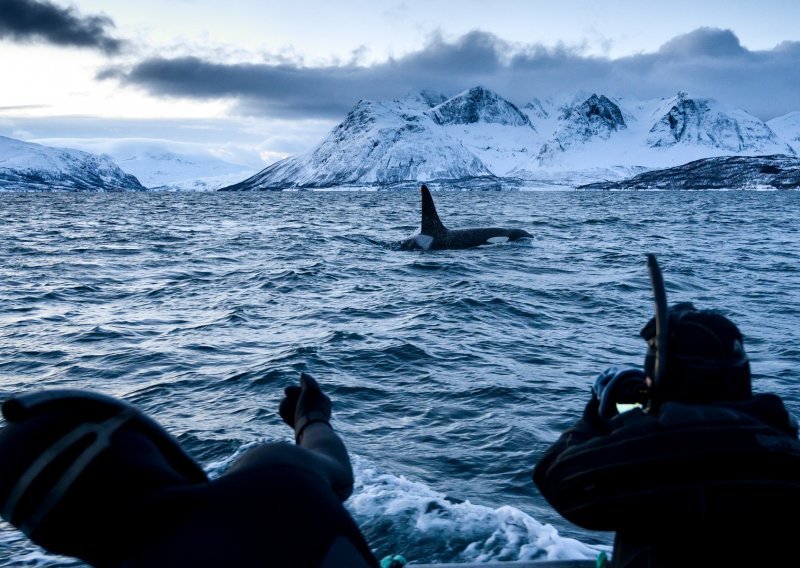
x=501, y=534
x=217, y=468
x=458, y=531
x=17, y=550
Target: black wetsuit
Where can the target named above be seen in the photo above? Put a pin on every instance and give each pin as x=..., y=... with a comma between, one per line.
x=90, y=476
x=279, y=505
x=253, y=516
x=695, y=485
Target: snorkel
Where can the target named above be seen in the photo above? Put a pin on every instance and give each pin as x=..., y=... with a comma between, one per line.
x=620, y=389
x=660, y=338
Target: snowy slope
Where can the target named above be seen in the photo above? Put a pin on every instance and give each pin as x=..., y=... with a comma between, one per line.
x=706, y=122
x=787, y=127
x=25, y=166
x=476, y=136
x=592, y=119
x=377, y=143
x=163, y=164
x=160, y=169
x=659, y=133
x=573, y=139
x=490, y=127
x=422, y=136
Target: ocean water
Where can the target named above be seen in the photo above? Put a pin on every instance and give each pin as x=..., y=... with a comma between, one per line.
x=450, y=371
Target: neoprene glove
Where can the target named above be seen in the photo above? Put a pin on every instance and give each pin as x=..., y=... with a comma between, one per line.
x=590, y=412
x=615, y=385
x=304, y=405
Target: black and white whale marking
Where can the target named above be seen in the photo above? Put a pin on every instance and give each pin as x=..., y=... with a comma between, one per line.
x=433, y=235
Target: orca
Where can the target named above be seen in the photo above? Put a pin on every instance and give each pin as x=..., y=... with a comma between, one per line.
x=433, y=235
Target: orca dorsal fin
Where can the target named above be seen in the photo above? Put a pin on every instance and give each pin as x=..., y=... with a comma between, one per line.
x=431, y=225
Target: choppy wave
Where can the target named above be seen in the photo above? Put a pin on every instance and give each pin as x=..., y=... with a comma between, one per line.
x=450, y=371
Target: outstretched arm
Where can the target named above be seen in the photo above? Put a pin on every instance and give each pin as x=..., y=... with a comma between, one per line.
x=330, y=457
x=319, y=449
x=308, y=410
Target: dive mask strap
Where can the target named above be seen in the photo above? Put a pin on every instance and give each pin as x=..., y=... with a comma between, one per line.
x=102, y=433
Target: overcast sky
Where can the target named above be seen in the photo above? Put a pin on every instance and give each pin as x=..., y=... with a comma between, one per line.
x=257, y=80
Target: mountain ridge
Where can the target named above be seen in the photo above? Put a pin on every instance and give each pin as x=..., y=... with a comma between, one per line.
x=26, y=166
x=724, y=172
x=584, y=137
x=475, y=139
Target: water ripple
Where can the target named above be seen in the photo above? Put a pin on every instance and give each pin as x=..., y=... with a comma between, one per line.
x=455, y=368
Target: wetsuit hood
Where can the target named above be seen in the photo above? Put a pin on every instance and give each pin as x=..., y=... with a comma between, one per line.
x=705, y=360
x=78, y=463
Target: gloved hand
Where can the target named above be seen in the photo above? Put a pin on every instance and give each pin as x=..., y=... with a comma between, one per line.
x=617, y=385
x=601, y=381
x=590, y=411
x=304, y=405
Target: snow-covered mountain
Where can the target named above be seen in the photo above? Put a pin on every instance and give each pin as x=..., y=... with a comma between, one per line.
x=705, y=122
x=163, y=164
x=476, y=134
x=473, y=139
x=25, y=166
x=601, y=137
x=491, y=128
x=377, y=143
x=787, y=127
x=160, y=168
x=575, y=139
x=595, y=118
x=478, y=105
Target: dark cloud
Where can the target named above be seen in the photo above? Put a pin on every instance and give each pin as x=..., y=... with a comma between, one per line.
x=705, y=62
x=293, y=90
x=475, y=52
x=704, y=42
x=43, y=21
x=282, y=90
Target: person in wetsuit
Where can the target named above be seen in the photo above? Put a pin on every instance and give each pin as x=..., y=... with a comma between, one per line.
x=704, y=473
x=90, y=476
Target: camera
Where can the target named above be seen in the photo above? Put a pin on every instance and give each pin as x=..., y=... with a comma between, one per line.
x=619, y=390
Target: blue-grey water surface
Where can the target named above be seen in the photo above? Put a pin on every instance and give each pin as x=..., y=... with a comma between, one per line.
x=450, y=371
